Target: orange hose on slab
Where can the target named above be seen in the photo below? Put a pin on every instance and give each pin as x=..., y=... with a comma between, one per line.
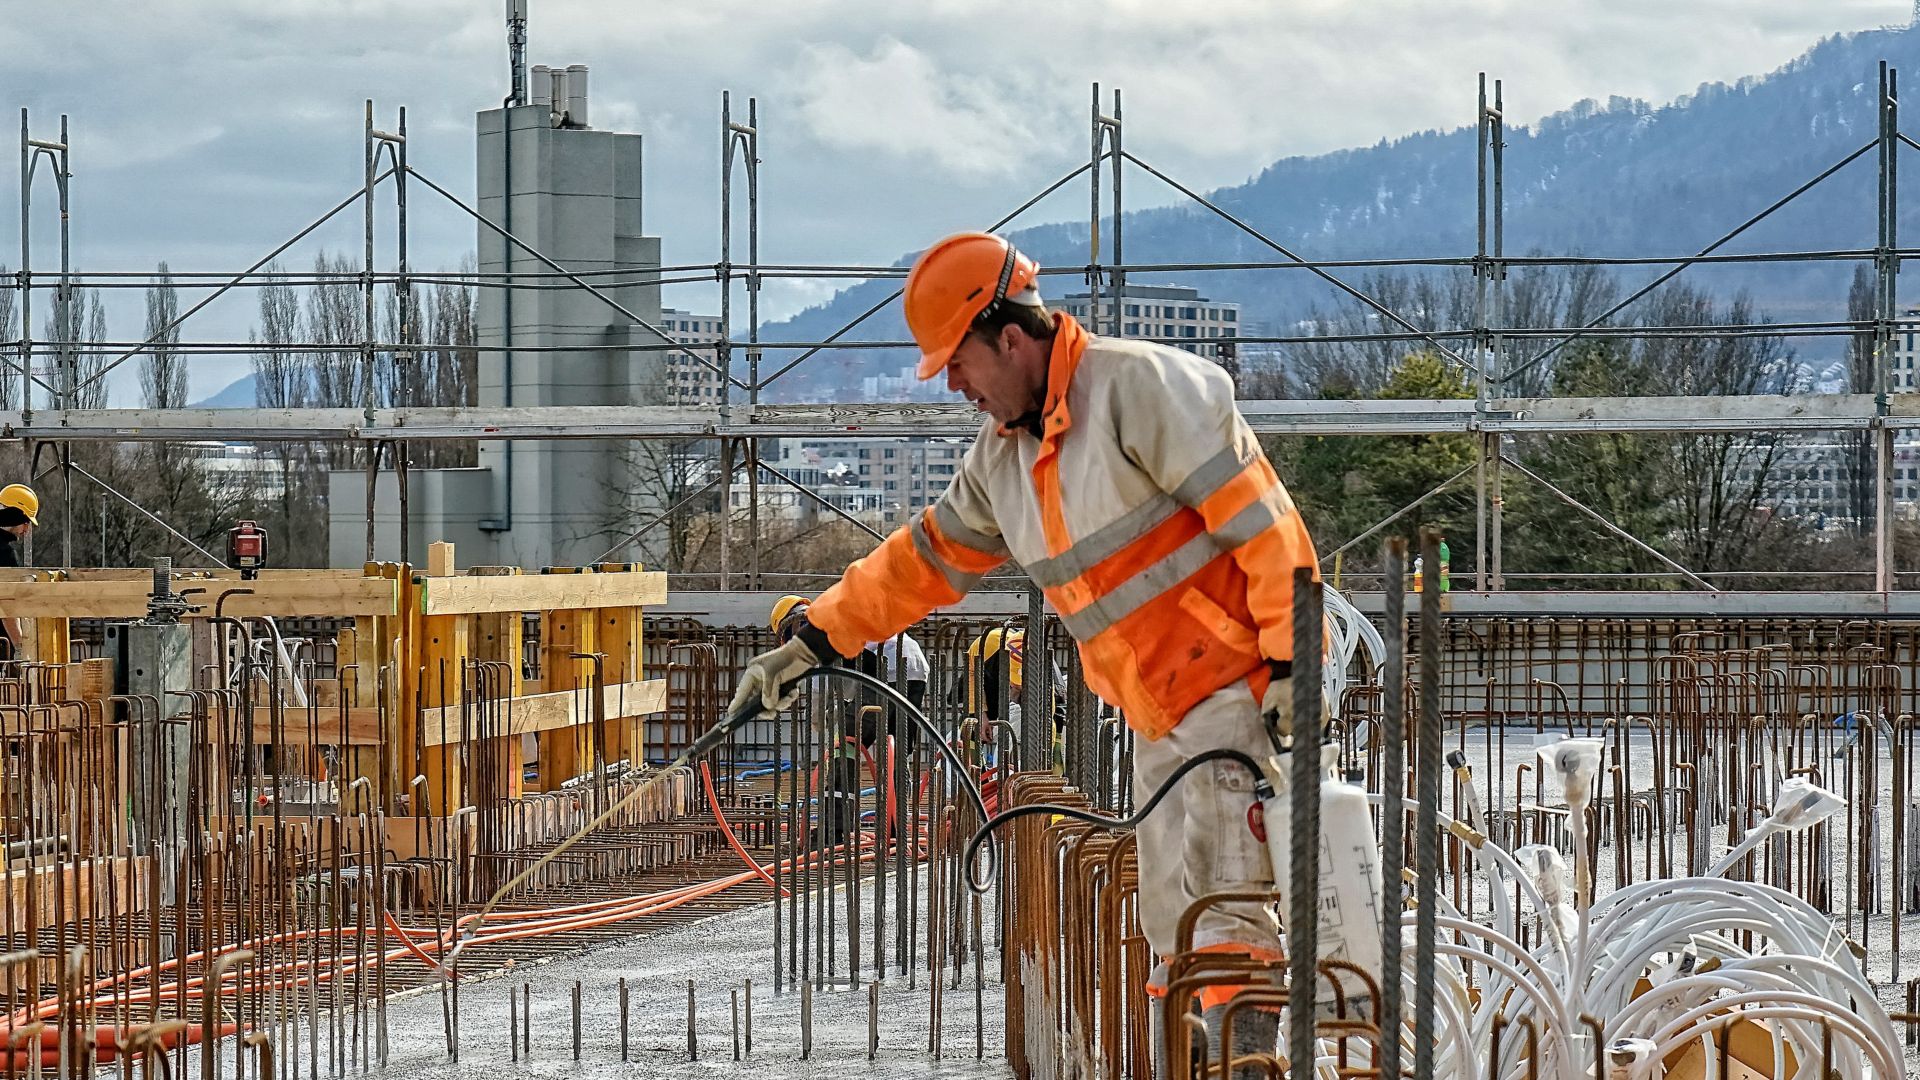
x=107, y=1043
x=511, y=927
x=720, y=818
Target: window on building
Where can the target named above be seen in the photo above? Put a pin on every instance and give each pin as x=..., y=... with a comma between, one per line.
x=1134, y=309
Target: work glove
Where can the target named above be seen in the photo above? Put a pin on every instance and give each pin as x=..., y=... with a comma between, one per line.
x=1276, y=708
x=766, y=678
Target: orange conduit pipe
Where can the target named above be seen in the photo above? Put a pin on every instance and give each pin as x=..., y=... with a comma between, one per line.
x=107, y=1044
x=720, y=818
x=651, y=904
x=513, y=926
x=532, y=924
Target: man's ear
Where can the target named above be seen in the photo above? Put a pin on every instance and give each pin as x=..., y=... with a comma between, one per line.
x=1013, y=338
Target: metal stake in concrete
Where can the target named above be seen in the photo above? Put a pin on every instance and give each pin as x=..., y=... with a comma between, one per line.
x=526, y=1029
x=806, y=1020
x=749, y=1024
x=513, y=1025
x=693, y=1043
x=873, y=1020
x=576, y=1019
x=623, y=1019
x=736, y=1025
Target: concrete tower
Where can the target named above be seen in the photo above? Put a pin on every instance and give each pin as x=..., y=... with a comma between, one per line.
x=573, y=194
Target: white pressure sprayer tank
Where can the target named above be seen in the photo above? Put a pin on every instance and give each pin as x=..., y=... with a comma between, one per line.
x=1349, y=885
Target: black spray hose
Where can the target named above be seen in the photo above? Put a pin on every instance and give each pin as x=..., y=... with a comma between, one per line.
x=713, y=737
x=978, y=879
x=708, y=742
x=1262, y=790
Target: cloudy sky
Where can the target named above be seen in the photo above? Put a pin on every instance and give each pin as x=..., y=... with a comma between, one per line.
x=205, y=132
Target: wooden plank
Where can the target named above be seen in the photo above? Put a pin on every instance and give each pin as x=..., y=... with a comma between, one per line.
x=471, y=595
x=617, y=637
x=499, y=638
x=442, y=644
x=440, y=559
x=557, y=710
x=565, y=752
x=363, y=727
x=360, y=760
x=344, y=595
x=82, y=889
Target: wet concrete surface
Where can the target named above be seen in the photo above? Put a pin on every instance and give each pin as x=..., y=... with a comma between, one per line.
x=719, y=954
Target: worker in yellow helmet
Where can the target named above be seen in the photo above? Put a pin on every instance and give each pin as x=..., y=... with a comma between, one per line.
x=996, y=660
x=1122, y=478
x=19, y=513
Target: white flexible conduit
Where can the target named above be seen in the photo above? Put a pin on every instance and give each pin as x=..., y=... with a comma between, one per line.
x=1796, y=979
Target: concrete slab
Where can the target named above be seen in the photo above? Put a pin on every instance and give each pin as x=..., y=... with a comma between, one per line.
x=719, y=954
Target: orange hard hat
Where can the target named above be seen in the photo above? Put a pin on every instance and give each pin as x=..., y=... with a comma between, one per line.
x=955, y=282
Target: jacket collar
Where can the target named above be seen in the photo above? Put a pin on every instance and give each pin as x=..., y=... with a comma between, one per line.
x=1069, y=344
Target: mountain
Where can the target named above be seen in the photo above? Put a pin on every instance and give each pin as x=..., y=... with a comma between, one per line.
x=238, y=394
x=1619, y=178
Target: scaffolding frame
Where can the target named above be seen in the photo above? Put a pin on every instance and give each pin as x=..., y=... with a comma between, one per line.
x=1493, y=354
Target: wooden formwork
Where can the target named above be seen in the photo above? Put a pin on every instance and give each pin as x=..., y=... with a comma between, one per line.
x=404, y=695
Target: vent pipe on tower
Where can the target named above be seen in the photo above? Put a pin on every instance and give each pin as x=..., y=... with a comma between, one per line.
x=576, y=109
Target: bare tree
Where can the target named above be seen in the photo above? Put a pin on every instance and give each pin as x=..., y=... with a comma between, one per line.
x=90, y=389
x=283, y=379
x=334, y=323
x=447, y=364
x=163, y=371
x=75, y=330
x=1725, y=482
x=1437, y=302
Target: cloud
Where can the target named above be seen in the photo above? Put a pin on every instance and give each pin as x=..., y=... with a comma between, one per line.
x=206, y=131
x=898, y=101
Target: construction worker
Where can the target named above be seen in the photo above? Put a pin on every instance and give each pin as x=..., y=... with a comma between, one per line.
x=841, y=787
x=995, y=664
x=19, y=513
x=1123, y=479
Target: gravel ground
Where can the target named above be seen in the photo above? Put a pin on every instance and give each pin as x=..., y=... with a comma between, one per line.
x=719, y=954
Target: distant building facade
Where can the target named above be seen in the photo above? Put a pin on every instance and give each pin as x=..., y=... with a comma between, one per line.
x=1171, y=314
x=906, y=475
x=690, y=382
x=1904, y=378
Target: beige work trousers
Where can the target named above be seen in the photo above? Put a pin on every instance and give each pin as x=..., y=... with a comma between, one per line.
x=1199, y=840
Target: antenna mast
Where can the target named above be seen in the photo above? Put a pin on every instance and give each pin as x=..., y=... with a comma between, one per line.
x=517, y=48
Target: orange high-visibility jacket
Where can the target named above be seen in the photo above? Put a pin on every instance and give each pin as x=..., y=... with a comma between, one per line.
x=1147, y=513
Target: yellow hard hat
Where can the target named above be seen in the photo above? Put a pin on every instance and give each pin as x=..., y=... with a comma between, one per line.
x=988, y=644
x=22, y=498
x=783, y=607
